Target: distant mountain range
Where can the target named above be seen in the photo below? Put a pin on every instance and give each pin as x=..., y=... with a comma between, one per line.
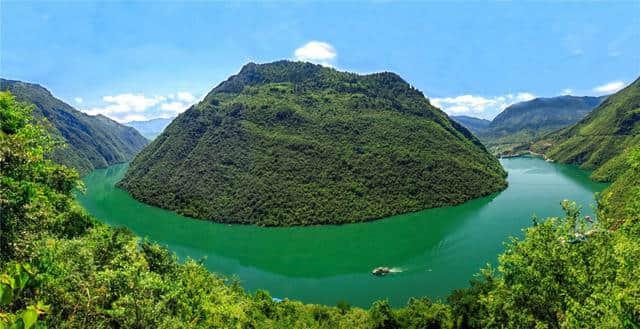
x=92, y=141
x=150, y=128
x=522, y=123
x=293, y=143
x=474, y=124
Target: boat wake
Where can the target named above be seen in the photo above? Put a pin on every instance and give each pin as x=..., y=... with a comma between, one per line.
x=396, y=270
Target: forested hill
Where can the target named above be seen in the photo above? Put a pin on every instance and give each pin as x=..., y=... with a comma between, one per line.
x=601, y=140
x=292, y=143
x=476, y=125
x=92, y=141
x=543, y=114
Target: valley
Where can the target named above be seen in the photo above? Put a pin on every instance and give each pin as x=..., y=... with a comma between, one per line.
x=306, y=164
x=307, y=269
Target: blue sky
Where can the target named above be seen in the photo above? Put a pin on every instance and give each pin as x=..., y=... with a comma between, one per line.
x=141, y=60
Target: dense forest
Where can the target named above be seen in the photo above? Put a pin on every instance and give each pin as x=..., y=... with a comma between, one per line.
x=293, y=143
x=62, y=269
x=86, y=142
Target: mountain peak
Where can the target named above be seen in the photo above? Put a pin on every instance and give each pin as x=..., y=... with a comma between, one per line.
x=302, y=73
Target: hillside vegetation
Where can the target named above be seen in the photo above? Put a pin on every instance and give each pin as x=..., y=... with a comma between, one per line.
x=602, y=140
x=91, y=141
x=515, y=128
x=60, y=268
x=292, y=143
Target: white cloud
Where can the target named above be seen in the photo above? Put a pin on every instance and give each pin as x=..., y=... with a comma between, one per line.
x=609, y=88
x=125, y=103
x=523, y=97
x=137, y=107
x=78, y=100
x=478, y=105
x=567, y=91
x=176, y=107
x=316, y=52
x=134, y=117
x=185, y=96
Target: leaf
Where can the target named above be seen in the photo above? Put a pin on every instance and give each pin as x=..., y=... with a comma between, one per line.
x=6, y=294
x=29, y=317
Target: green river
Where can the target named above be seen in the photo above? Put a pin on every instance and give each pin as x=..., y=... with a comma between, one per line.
x=432, y=252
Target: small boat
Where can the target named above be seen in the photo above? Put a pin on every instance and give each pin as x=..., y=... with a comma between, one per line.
x=380, y=271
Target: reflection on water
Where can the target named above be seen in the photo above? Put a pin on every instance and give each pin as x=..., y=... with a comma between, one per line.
x=433, y=251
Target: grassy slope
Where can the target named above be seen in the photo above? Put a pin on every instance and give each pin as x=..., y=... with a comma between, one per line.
x=298, y=144
x=92, y=141
x=602, y=139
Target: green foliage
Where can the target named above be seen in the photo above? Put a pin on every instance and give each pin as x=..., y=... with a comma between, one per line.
x=13, y=283
x=89, y=141
x=300, y=144
x=343, y=306
x=34, y=193
x=620, y=202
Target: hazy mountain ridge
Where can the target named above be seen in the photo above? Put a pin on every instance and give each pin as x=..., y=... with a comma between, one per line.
x=150, y=128
x=517, y=126
x=476, y=125
x=543, y=114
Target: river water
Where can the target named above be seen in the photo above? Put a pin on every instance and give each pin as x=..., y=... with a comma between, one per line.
x=432, y=252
